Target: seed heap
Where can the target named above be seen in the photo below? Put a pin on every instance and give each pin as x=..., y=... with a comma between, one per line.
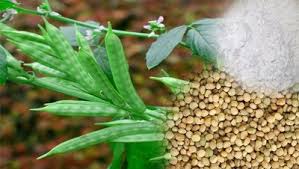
x=217, y=124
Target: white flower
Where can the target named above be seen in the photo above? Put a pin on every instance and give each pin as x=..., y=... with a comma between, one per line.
x=160, y=19
x=89, y=34
x=9, y=14
x=155, y=25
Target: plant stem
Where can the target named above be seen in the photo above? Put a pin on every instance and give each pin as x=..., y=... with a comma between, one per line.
x=84, y=24
x=58, y=17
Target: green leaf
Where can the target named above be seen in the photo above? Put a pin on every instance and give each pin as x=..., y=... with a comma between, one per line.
x=175, y=85
x=100, y=136
x=140, y=138
x=201, y=38
x=83, y=108
x=139, y=155
x=118, y=150
x=3, y=65
x=164, y=45
x=6, y=4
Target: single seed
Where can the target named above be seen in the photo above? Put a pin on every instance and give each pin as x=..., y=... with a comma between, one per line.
x=196, y=138
x=193, y=105
x=234, y=111
x=210, y=86
x=259, y=113
x=201, y=153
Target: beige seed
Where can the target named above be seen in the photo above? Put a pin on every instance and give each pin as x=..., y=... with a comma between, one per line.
x=232, y=92
x=246, y=97
x=271, y=119
x=189, y=120
x=238, y=155
x=259, y=113
x=192, y=149
x=193, y=105
x=195, y=138
x=234, y=111
x=248, y=149
x=210, y=86
x=188, y=99
x=278, y=116
x=209, y=137
x=281, y=102
x=201, y=153
x=169, y=135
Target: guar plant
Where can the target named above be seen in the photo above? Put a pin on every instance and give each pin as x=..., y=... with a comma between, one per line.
x=97, y=74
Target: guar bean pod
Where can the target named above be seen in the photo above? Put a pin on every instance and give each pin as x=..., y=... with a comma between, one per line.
x=37, y=67
x=120, y=122
x=90, y=65
x=120, y=72
x=69, y=56
x=22, y=35
x=100, y=136
x=150, y=137
x=100, y=109
x=75, y=102
x=63, y=86
x=38, y=56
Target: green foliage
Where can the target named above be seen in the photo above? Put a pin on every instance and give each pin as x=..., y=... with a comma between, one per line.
x=165, y=44
x=120, y=72
x=140, y=138
x=90, y=65
x=201, y=39
x=118, y=153
x=83, y=108
x=100, y=136
x=139, y=155
x=37, y=67
x=3, y=65
x=103, y=83
x=6, y=4
x=175, y=85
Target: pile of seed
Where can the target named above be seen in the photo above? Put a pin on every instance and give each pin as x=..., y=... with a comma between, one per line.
x=217, y=124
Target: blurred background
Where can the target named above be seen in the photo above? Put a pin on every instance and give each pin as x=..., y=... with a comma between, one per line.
x=24, y=135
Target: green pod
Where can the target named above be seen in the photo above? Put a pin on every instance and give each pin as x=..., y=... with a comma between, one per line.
x=99, y=109
x=63, y=86
x=120, y=122
x=100, y=136
x=89, y=63
x=37, y=67
x=120, y=72
x=36, y=46
x=23, y=35
x=75, y=102
x=70, y=58
x=4, y=27
x=150, y=137
x=156, y=114
x=39, y=56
